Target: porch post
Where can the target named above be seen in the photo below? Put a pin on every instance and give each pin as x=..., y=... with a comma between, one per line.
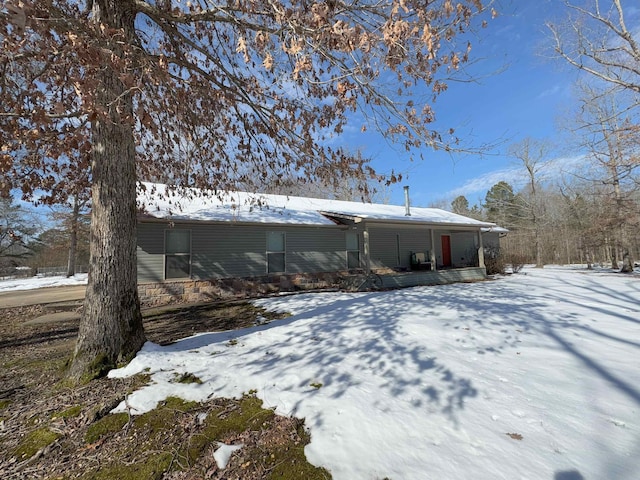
x=480, y=251
x=367, y=258
x=434, y=266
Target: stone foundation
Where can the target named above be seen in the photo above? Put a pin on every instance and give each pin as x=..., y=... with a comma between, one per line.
x=193, y=291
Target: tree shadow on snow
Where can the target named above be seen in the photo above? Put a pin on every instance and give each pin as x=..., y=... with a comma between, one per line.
x=405, y=366
x=364, y=326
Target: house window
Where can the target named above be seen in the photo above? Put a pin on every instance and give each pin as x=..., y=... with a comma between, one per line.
x=275, y=252
x=353, y=250
x=177, y=253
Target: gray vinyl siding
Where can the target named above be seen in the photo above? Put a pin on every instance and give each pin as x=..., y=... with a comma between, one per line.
x=315, y=250
x=491, y=240
x=464, y=249
x=414, y=241
x=150, y=252
x=223, y=251
x=392, y=246
x=382, y=244
x=231, y=250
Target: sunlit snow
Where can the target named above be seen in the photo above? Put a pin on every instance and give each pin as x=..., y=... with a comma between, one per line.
x=223, y=453
x=31, y=283
x=531, y=376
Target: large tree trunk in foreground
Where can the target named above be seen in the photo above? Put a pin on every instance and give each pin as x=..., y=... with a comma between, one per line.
x=111, y=326
x=111, y=329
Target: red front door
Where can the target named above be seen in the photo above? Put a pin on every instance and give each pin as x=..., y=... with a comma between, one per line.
x=446, y=250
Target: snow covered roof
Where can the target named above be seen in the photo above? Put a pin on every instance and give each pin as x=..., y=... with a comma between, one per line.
x=495, y=229
x=282, y=209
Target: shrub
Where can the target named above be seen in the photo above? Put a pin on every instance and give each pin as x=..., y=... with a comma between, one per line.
x=517, y=261
x=494, y=261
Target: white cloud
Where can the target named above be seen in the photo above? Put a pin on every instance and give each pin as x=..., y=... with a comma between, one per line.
x=516, y=176
x=550, y=91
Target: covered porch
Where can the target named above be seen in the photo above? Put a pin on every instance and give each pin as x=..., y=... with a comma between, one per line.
x=432, y=277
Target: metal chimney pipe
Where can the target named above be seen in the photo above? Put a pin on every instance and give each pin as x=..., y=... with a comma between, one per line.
x=407, y=203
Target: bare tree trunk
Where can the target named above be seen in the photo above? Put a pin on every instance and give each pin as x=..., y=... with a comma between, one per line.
x=627, y=258
x=538, y=242
x=627, y=263
x=111, y=328
x=623, y=240
x=73, y=240
x=611, y=251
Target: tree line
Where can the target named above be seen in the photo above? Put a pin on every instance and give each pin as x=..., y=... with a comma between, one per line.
x=30, y=242
x=590, y=216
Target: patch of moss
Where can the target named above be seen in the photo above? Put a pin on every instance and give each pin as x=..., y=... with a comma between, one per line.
x=137, y=382
x=97, y=368
x=152, y=454
x=315, y=385
x=33, y=442
x=65, y=383
x=4, y=403
x=109, y=424
x=187, y=378
x=248, y=416
x=175, y=403
x=153, y=467
x=158, y=449
x=286, y=461
x=70, y=412
x=290, y=463
x=163, y=418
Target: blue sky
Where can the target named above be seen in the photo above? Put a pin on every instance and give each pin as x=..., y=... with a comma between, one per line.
x=526, y=99
x=519, y=92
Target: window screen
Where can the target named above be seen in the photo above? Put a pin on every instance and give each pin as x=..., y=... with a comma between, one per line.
x=353, y=250
x=177, y=259
x=276, y=252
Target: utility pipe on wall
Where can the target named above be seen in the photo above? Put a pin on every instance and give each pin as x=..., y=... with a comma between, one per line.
x=407, y=204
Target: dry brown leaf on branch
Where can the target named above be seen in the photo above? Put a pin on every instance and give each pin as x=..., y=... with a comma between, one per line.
x=17, y=15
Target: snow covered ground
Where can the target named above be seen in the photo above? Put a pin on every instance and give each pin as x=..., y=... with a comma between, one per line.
x=531, y=376
x=32, y=283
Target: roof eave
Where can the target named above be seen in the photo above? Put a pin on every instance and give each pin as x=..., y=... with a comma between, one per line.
x=475, y=226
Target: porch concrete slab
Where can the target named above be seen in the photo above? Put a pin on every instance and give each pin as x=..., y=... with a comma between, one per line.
x=437, y=277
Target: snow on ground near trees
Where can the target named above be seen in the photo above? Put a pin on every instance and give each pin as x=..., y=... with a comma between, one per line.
x=33, y=283
x=531, y=376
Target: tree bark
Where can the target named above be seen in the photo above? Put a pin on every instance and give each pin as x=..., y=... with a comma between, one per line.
x=627, y=263
x=73, y=240
x=111, y=328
